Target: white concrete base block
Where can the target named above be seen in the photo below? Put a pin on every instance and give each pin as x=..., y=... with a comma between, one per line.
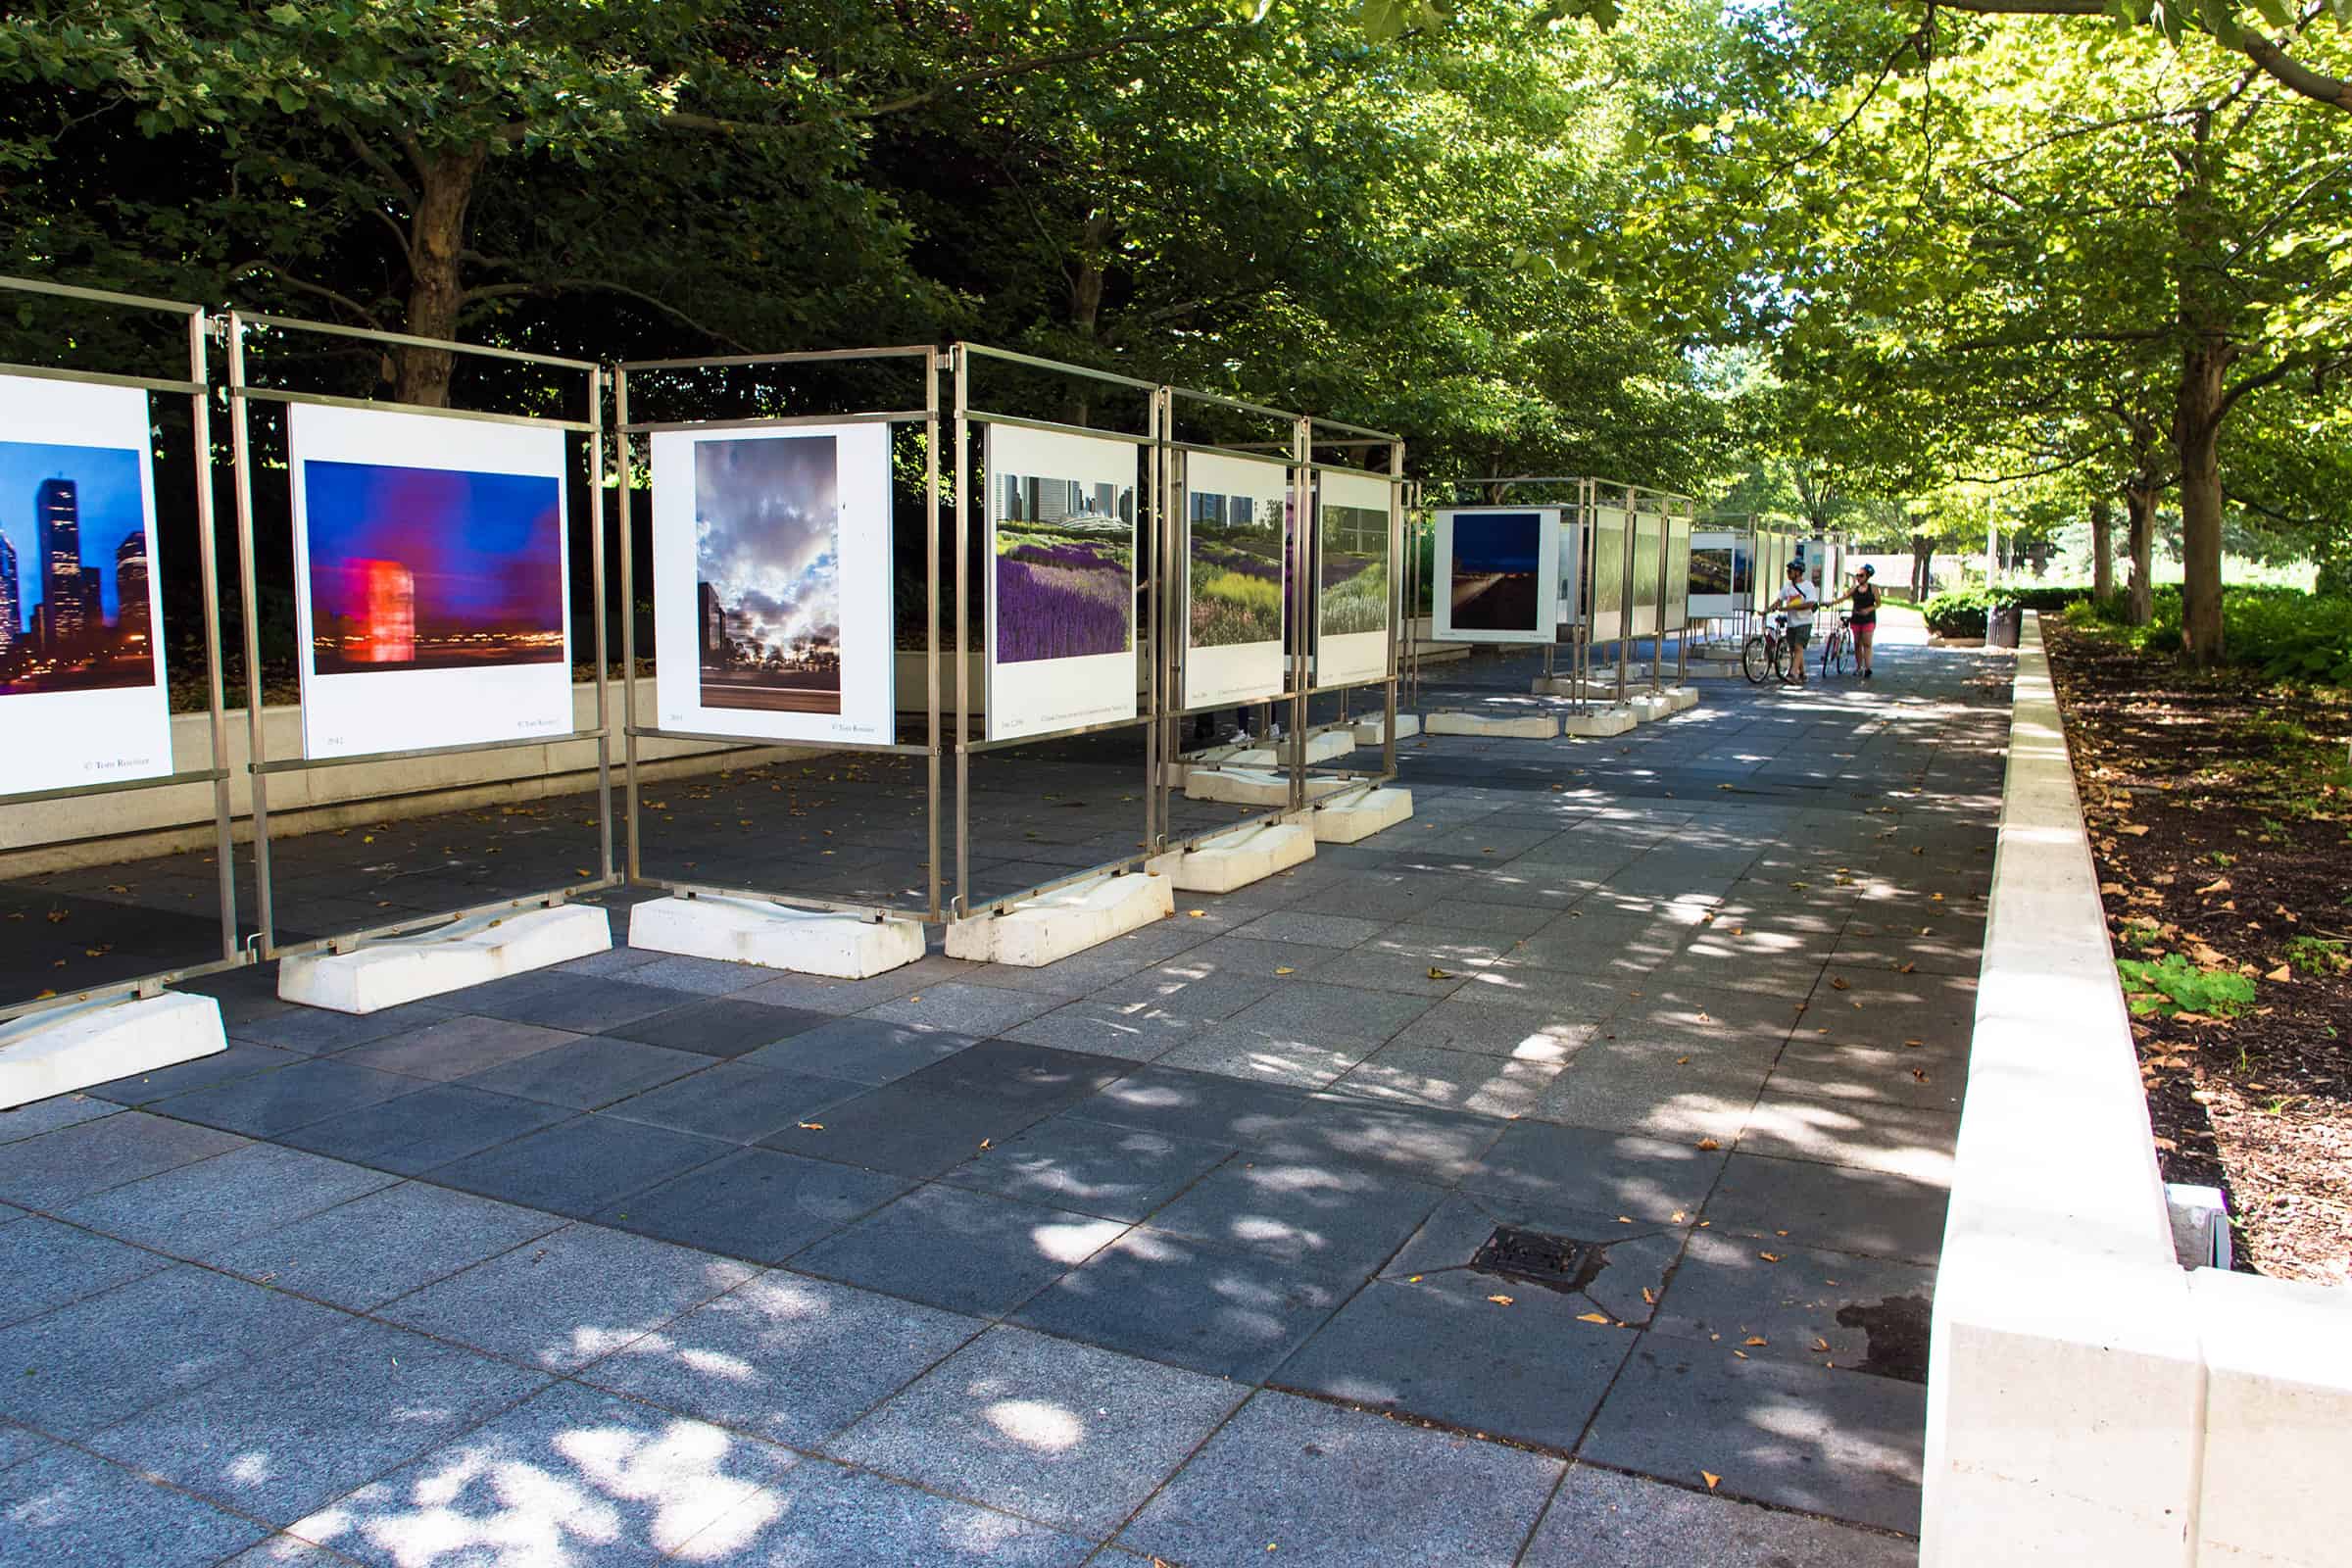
x=776, y=936
x=73, y=1048
x=1236, y=859
x=1321, y=747
x=1602, y=723
x=1359, y=816
x=1684, y=698
x=1054, y=926
x=2278, y=1412
x=1648, y=705
x=1496, y=726
x=1368, y=731
x=1252, y=786
x=387, y=972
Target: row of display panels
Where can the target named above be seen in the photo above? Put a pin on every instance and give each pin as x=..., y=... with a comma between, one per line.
x=432, y=603
x=1514, y=574
x=1733, y=571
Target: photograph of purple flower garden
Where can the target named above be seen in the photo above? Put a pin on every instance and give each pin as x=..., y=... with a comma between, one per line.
x=1065, y=568
x=1236, y=562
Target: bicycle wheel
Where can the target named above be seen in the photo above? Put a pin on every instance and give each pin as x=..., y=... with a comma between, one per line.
x=1757, y=660
x=1837, y=657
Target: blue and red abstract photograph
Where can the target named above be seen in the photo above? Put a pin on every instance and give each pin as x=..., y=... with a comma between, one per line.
x=432, y=568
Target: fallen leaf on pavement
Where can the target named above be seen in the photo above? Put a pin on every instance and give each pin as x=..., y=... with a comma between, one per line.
x=812, y=1126
x=1712, y=1479
x=1753, y=1338
x=1499, y=1301
x=1593, y=1317
x=1710, y=1144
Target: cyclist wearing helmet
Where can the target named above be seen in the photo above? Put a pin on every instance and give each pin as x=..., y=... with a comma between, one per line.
x=1864, y=621
x=1797, y=611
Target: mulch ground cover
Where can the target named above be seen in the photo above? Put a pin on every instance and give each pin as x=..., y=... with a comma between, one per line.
x=2220, y=809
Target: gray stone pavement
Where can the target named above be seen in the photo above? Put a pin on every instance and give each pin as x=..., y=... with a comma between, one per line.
x=1556, y=1178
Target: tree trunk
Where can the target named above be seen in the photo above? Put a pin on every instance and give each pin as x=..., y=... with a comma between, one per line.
x=1086, y=304
x=2102, y=549
x=2197, y=435
x=1923, y=566
x=2139, y=506
x=436, y=286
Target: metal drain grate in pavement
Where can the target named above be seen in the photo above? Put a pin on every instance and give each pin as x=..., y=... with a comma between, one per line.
x=1555, y=1262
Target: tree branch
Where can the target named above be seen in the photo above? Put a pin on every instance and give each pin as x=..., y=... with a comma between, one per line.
x=561, y=285
x=291, y=282
x=2276, y=63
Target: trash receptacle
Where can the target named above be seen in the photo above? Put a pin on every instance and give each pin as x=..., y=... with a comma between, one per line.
x=2001, y=626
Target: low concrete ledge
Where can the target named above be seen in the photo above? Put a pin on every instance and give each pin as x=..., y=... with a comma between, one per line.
x=1054, y=926
x=1681, y=699
x=2090, y=1401
x=775, y=936
x=1348, y=818
x=1496, y=726
x=388, y=971
x=1236, y=858
x=98, y=1042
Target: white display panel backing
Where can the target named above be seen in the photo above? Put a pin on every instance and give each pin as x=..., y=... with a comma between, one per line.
x=1040, y=696
x=1646, y=533
x=392, y=710
x=1738, y=549
x=1570, y=610
x=1236, y=672
x=1541, y=610
x=860, y=566
x=1345, y=658
x=80, y=734
x=1675, y=587
x=1611, y=539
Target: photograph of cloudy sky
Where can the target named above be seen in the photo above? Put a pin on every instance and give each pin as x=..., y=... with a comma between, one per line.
x=767, y=559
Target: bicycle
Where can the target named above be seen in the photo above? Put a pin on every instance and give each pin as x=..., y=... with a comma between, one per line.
x=1766, y=656
x=1838, y=649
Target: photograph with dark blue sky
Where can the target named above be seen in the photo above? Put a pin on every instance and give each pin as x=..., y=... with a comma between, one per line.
x=767, y=569
x=72, y=535
x=1495, y=559
x=432, y=568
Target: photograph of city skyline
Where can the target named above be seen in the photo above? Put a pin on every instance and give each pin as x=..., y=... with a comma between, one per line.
x=431, y=568
x=768, y=568
x=76, y=611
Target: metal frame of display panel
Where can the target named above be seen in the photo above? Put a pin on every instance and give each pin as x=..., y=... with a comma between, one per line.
x=242, y=395
x=1544, y=636
x=1175, y=573
x=1742, y=527
x=1573, y=495
x=1152, y=443
x=197, y=389
x=1350, y=438
x=932, y=751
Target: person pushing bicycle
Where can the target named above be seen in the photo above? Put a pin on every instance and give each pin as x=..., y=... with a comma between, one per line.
x=1796, y=612
x=1864, y=621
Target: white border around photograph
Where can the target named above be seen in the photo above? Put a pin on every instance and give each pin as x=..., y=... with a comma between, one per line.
x=56, y=740
x=1045, y=696
x=357, y=714
x=1542, y=628
x=1353, y=658
x=1239, y=672
x=869, y=665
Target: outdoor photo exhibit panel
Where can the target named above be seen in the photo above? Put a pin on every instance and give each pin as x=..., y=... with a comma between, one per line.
x=1677, y=588
x=1643, y=612
x=82, y=694
x=1608, y=574
x=1061, y=570
x=772, y=579
x=431, y=580
x=1498, y=571
x=1352, y=578
x=1721, y=572
x=1236, y=578
x=1569, y=611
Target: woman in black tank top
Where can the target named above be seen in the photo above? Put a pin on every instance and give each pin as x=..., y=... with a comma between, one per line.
x=1864, y=621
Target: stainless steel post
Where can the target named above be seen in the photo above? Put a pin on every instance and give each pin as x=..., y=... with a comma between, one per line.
x=933, y=365
x=961, y=534
x=208, y=569
x=633, y=831
x=596, y=599
x=256, y=751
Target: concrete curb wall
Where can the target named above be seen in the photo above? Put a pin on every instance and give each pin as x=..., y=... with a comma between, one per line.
x=2090, y=1401
x=103, y=829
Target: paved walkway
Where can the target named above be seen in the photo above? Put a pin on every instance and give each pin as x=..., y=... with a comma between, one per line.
x=1483, y=1194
